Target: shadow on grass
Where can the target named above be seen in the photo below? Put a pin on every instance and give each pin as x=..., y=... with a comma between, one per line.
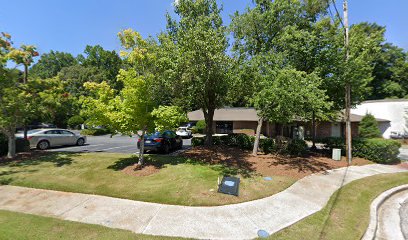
x=230, y=165
x=36, y=158
x=301, y=164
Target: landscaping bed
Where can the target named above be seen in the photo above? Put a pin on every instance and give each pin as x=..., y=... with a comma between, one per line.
x=268, y=164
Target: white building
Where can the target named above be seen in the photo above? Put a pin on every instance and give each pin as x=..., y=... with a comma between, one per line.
x=390, y=109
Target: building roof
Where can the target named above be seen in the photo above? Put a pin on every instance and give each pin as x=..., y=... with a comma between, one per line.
x=249, y=115
x=358, y=118
x=227, y=114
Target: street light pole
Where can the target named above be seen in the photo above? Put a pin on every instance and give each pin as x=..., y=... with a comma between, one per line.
x=348, y=86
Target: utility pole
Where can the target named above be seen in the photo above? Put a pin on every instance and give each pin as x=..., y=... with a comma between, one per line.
x=348, y=86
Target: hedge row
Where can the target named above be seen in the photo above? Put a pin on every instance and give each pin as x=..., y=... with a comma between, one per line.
x=245, y=142
x=375, y=149
x=95, y=132
x=22, y=145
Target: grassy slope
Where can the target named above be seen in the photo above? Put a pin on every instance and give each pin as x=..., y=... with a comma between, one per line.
x=178, y=182
x=25, y=226
x=347, y=214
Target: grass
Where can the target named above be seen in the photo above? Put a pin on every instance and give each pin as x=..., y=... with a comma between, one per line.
x=347, y=214
x=180, y=181
x=25, y=226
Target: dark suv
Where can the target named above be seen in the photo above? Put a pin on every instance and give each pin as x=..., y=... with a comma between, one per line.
x=164, y=142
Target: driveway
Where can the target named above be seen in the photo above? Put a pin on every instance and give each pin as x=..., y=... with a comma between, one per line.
x=116, y=144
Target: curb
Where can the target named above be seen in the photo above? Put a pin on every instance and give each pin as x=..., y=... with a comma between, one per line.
x=371, y=231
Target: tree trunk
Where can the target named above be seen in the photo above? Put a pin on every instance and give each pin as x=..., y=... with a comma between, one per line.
x=25, y=74
x=141, y=150
x=25, y=132
x=11, y=145
x=313, y=148
x=258, y=136
x=209, y=117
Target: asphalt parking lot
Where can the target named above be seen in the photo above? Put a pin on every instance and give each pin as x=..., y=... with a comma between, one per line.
x=116, y=144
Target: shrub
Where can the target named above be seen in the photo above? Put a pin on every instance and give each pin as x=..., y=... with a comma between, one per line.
x=377, y=149
x=75, y=121
x=200, y=126
x=296, y=147
x=197, y=141
x=96, y=131
x=267, y=145
x=368, y=127
x=333, y=142
x=239, y=140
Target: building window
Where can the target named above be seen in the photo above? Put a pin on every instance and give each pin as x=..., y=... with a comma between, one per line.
x=224, y=127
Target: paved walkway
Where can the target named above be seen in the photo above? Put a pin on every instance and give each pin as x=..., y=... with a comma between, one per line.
x=238, y=221
x=389, y=224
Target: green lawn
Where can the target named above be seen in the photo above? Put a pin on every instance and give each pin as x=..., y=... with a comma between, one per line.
x=180, y=181
x=25, y=226
x=347, y=214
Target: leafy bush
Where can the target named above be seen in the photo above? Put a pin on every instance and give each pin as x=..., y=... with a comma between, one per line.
x=333, y=142
x=197, y=141
x=75, y=121
x=96, y=131
x=239, y=140
x=267, y=145
x=377, y=149
x=296, y=147
x=200, y=126
x=368, y=127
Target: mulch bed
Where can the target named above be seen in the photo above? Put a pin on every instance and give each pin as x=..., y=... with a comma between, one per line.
x=135, y=170
x=268, y=165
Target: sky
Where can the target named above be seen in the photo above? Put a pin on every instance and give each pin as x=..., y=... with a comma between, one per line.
x=71, y=25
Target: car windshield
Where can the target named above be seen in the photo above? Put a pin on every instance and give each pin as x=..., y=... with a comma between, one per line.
x=33, y=131
x=182, y=129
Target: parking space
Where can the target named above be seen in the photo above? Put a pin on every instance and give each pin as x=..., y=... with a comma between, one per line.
x=116, y=144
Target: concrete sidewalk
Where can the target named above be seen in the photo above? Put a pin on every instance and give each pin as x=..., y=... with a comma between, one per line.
x=238, y=221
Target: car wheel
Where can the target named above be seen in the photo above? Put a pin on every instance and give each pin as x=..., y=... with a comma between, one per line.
x=43, y=145
x=80, y=142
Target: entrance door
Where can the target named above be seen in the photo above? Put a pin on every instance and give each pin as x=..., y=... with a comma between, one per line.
x=336, y=130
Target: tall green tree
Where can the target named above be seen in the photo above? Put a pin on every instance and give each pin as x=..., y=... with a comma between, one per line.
x=109, y=62
x=128, y=111
x=203, y=66
x=368, y=127
x=51, y=63
x=15, y=97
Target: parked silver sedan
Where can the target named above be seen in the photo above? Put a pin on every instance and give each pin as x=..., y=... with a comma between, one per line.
x=46, y=138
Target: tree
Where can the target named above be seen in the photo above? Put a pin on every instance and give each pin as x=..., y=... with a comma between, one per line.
x=106, y=61
x=25, y=55
x=368, y=127
x=286, y=95
x=203, y=65
x=75, y=76
x=49, y=64
x=16, y=98
x=130, y=109
x=168, y=117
